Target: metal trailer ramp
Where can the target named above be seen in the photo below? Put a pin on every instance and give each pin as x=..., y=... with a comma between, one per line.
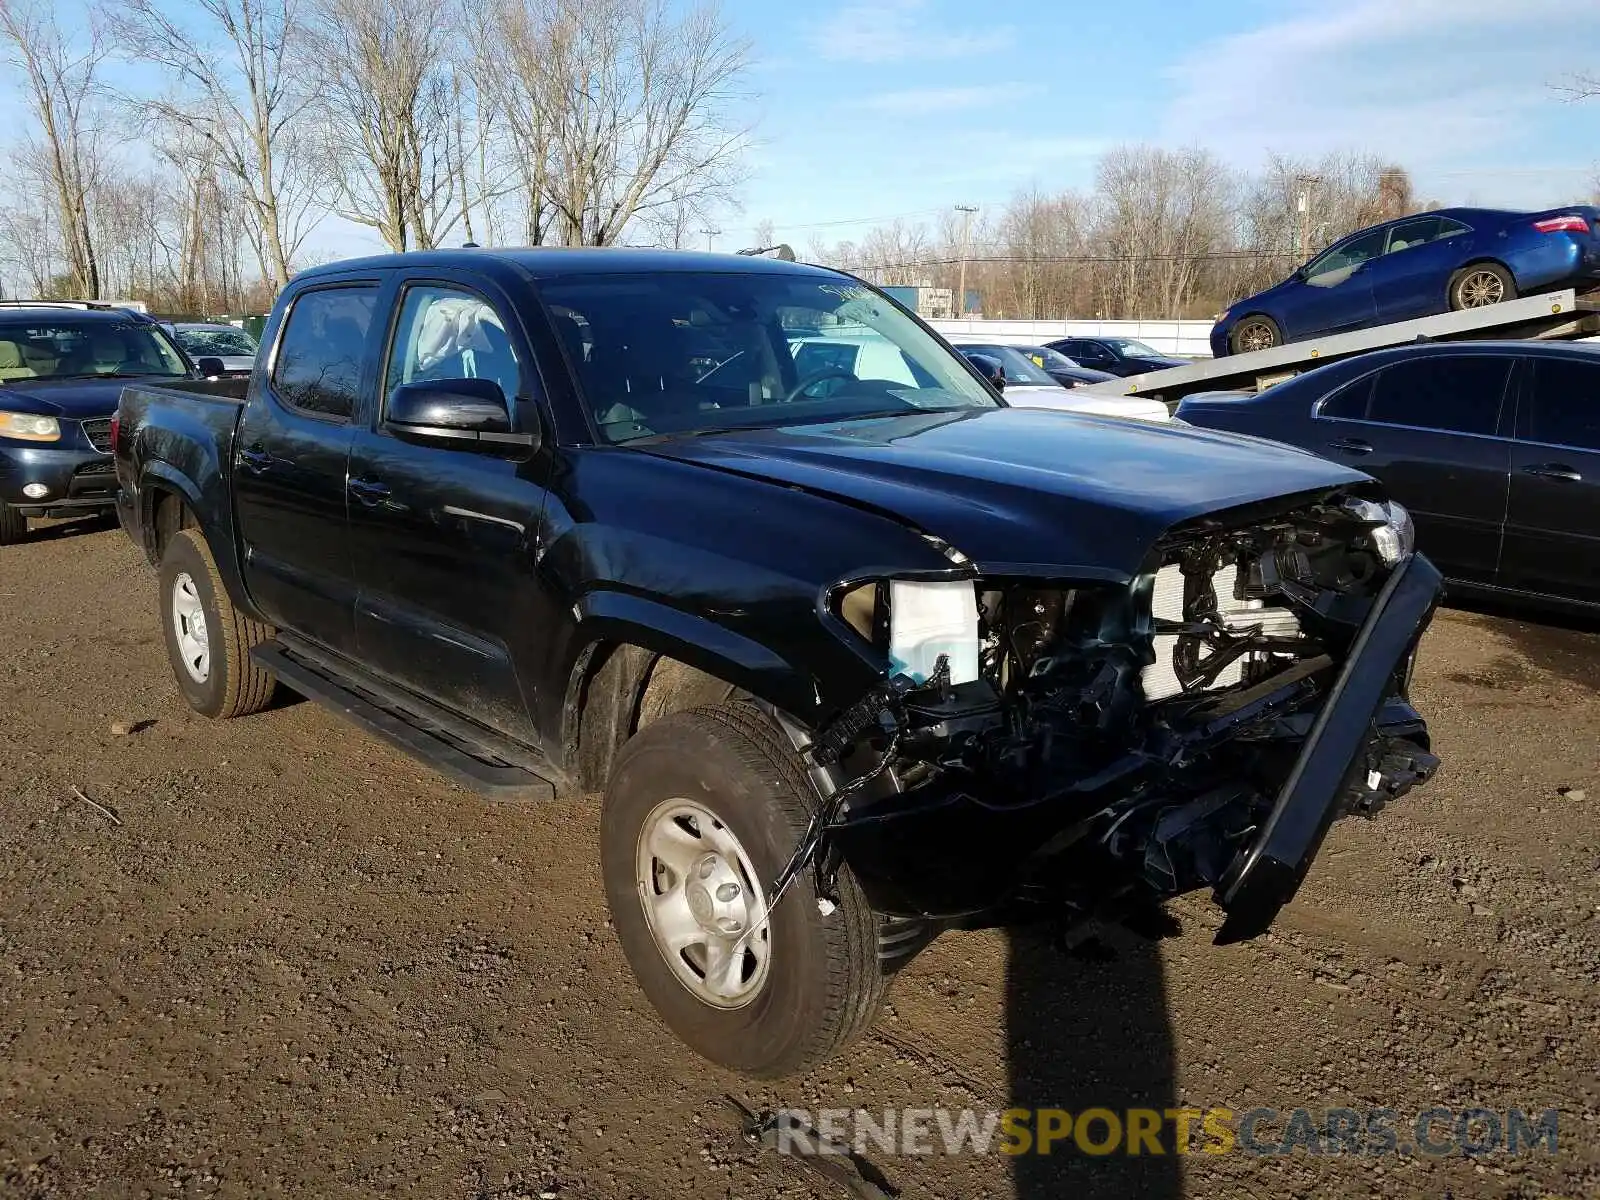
x=1553, y=316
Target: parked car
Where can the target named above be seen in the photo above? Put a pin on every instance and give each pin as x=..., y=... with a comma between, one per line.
x=1494, y=447
x=1418, y=266
x=62, y=367
x=1065, y=371
x=1115, y=355
x=1027, y=385
x=234, y=346
x=846, y=664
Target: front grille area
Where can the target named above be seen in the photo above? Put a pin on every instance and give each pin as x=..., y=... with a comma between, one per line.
x=98, y=431
x=93, y=479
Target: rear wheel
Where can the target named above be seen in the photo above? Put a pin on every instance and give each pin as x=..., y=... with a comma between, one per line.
x=13, y=525
x=208, y=640
x=703, y=809
x=1255, y=333
x=1481, y=285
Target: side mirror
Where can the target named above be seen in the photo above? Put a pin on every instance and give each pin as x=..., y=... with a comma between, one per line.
x=990, y=368
x=210, y=367
x=463, y=414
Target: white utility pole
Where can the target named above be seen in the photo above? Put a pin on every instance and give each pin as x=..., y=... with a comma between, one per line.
x=966, y=211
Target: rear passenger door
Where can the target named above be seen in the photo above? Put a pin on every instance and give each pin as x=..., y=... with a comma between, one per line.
x=1435, y=429
x=290, y=456
x=1553, y=531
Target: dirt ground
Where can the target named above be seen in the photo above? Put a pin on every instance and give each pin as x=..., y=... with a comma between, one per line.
x=303, y=965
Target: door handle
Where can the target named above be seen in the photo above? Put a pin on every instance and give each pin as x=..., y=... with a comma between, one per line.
x=1554, y=471
x=254, y=458
x=370, y=492
x=1351, y=445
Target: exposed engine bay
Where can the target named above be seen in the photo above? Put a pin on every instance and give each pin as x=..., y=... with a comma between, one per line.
x=1123, y=744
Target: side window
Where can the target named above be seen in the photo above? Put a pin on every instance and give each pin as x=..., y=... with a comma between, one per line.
x=1449, y=228
x=324, y=342
x=1455, y=393
x=448, y=333
x=1413, y=233
x=1349, y=403
x=1337, y=265
x=1566, y=405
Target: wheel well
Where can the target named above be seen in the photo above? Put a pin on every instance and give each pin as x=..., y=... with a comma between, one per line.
x=617, y=690
x=169, y=514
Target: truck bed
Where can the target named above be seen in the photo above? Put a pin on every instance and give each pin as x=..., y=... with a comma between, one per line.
x=180, y=432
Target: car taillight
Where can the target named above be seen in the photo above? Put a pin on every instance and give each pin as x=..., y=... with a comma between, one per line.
x=116, y=428
x=1571, y=223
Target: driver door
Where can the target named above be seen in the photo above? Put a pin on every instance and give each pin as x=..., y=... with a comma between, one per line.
x=443, y=540
x=1334, y=292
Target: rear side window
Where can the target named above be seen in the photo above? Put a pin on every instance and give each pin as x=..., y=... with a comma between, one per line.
x=1450, y=393
x=320, y=355
x=1566, y=405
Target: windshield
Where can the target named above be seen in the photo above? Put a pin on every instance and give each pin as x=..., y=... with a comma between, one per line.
x=1050, y=360
x=1128, y=347
x=1019, y=368
x=62, y=348
x=219, y=343
x=694, y=352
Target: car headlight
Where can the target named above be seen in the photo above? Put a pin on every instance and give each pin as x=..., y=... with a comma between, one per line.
x=1394, y=534
x=28, y=427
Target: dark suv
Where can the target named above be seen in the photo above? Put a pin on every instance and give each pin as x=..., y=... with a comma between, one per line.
x=62, y=367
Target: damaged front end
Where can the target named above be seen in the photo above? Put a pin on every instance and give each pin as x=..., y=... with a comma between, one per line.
x=1114, y=745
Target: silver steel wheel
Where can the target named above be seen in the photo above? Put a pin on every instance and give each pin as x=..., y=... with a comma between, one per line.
x=1256, y=335
x=1480, y=289
x=704, y=904
x=189, y=625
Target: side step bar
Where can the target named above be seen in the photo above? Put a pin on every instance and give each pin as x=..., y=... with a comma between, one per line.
x=476, y=758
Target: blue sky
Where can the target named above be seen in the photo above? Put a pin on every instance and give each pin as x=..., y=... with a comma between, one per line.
x=875, y=108
x=870, y=109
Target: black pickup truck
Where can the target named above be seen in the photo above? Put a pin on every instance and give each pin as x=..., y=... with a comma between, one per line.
x=854, y=653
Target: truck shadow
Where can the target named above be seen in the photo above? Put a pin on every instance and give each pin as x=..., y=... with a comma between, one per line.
x=1564, y=644
x=1088, y=1028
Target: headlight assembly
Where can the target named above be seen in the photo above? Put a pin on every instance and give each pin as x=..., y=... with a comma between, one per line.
x=1394, y=535
x=28, y=427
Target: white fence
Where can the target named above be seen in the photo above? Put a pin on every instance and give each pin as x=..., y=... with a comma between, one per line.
x=1191, y=338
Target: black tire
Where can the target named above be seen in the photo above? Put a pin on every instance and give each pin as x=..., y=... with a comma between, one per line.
x=1472, y=286
x=13, y=525
x=1266, y=331
x=233, y=685
x=824, y=982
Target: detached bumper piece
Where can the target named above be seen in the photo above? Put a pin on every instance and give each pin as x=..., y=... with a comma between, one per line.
x=1334, y=773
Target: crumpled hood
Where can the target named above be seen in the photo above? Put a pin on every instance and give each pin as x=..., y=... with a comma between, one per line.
x=76, y=399
x=1022, y=490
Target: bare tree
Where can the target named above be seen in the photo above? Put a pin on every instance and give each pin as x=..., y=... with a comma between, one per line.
x=621, y=108
x=63, y=90
x=237, y=91
x=387, y=90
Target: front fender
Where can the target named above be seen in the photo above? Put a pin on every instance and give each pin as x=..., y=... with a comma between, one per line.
x=618, y=617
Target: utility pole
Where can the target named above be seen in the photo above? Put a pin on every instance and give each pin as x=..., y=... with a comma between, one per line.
x=710, y=233
x=966, y=211
x=1303, y=218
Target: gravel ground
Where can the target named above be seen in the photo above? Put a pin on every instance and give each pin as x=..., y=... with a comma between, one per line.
x=297, y=963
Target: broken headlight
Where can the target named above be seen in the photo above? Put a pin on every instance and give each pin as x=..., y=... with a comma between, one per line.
x=1393, y=534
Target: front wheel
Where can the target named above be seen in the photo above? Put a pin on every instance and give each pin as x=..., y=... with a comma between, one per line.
x=1481, y=285
x=1255, y=333
x=208, y=640
x=13, y=525
x=702, y=811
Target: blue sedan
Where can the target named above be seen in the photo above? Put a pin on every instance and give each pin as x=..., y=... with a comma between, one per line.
x=1415, y=267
